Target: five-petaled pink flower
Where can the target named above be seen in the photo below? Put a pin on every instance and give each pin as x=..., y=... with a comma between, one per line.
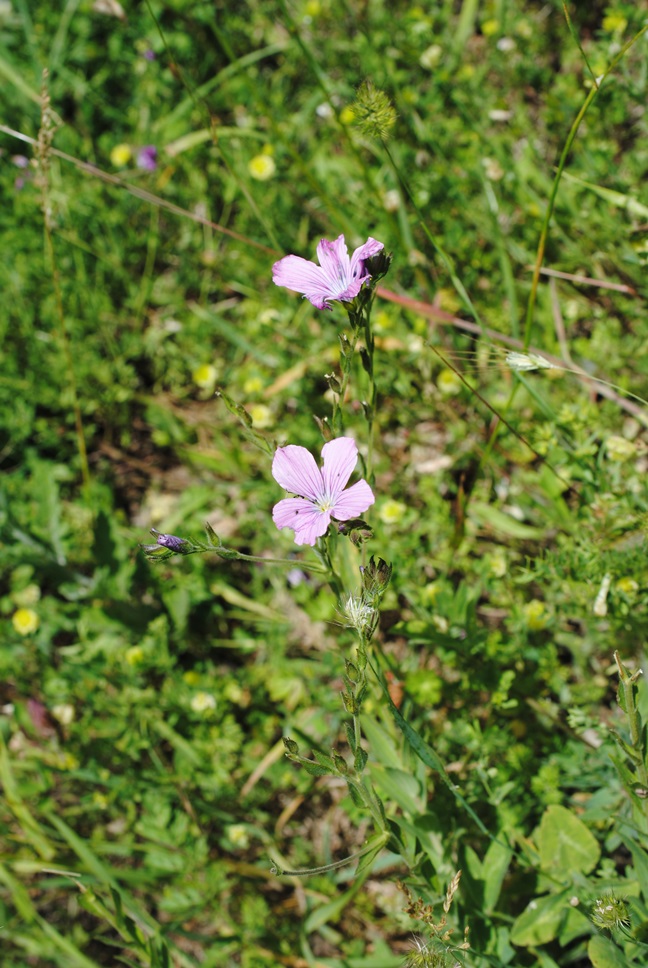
x=336, y=277
x=322, y=493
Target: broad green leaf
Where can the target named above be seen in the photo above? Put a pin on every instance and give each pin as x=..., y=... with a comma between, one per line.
x=603, y=953
x=565, y=843
x=401, y=787
x=382, y=745
x=541, y=921
x=495, y=865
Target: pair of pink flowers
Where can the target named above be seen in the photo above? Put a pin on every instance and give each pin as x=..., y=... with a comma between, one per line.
x=323, y=494
x=320, y=495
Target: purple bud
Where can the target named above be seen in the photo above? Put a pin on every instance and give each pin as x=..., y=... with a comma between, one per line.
x=170, y=541
x=147, y=158
x=149, y=54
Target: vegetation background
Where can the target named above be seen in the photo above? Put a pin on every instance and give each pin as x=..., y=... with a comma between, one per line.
x=175, y=152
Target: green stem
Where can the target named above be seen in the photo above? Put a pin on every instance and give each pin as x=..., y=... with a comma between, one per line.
x=336, y=420
x=336, y=865
x=573, y=131
x=323, y=553
x=627, y=688
x=370, y=345
x=438, y=248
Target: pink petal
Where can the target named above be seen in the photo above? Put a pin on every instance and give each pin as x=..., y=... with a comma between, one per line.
x=340, y=457
x=354, y=501
x=371, y=247
x=303, y=276
x=295, y=469
x=334, y=259
x=306, y=520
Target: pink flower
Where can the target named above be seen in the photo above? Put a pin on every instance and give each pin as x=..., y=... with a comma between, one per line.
x=336, y=277
x=322, y=492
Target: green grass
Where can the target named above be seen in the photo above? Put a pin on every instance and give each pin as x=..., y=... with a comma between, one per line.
x=147, y=804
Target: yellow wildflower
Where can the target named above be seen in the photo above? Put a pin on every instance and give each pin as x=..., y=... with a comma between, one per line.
x=25, y=621
x=262, y=167
x=120, y=156
x=204, y=376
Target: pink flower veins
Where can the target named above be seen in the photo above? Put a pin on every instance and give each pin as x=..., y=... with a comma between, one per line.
x=336, y=277
x=322, y=493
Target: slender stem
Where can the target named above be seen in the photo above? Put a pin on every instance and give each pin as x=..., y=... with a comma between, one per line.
x=336, y=865
x=322, y=551
x=573, y=131
x=370, y=342
x=441, y=252
x=336, y=420
x=627, y=686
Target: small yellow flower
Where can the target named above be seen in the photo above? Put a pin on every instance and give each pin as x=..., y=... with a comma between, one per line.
x=430, y=592
x=497, y=564
x=627, y=586
x=25, y=621
x=383, y=321
x=100, y=800
x=120, y=156
x=347, y=115
x=536, y=615
x=204, y=376
x=202, y=702
x=391, y=512
x=191, y=677
x=238, y=835
x=64, y=713
x=441, y=623
x=615, y=23
x=312, y=8
x=619, y=449
x=66, y=761
x=253, y=386
x=430, y=58
x=490, y=27
x=449, y=383
x=262, y=167
x=135, y=655
x=29, y=595
x=261, y=415
x=492, y=169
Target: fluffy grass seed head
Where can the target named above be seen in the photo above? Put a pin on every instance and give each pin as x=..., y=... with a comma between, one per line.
x=610, y=912
x=359, y=614
x=527, y=361
x=374, y=113
x=423, y=955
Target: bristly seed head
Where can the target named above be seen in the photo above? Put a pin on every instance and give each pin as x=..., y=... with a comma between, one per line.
x=373, y=112
x=528, y=361
x=359, y=614
x=610, y=912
